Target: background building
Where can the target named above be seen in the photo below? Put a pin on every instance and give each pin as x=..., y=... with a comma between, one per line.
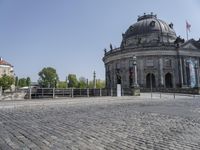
x=6, y=68
x=163, y=59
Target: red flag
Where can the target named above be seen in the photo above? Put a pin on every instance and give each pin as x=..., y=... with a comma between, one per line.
x=188, y=26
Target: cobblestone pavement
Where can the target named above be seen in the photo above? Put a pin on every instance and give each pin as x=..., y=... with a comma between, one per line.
x=101, y=123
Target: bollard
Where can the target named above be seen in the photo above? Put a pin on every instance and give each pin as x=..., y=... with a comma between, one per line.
x=174, y=95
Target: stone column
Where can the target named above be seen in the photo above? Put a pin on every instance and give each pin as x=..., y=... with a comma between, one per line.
x=184, y=72
x=135, y=73
x=180, y=72
x=161, y=72
x=141, y=71
x=197, y=74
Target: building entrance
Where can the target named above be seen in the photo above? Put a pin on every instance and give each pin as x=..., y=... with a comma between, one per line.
x=168, y=80
x=150, y=80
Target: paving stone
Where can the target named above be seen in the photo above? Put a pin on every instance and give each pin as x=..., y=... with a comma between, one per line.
x=101, y=123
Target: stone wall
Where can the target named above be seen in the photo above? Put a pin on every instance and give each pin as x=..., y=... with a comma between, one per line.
x=12, y=96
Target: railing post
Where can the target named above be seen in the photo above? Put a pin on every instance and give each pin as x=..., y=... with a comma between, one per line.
x=72, y=92
x=53, y=93
x=42, y=93
x=100, y=92
x=88, y=93
x=30, y=93
x=111, y=92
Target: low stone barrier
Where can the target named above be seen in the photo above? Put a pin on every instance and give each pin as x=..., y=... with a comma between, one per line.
x=12, y=96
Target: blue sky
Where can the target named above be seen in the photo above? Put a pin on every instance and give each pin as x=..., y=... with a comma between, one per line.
x=70, y=35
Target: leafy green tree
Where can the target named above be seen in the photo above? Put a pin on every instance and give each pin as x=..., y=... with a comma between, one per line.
x=22, y=82
x=100, y=83
x=6, y=82
x=62, y=84
x=16, y=81
x=28, y=81
x=48, y=77
x=91, y=84
x=82, y=83
x=73, y=82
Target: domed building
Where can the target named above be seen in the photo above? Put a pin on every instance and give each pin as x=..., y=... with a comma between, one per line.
x=151, y=55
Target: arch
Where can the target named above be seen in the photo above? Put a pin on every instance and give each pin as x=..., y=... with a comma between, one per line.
x=168, y=80
x=150, y=80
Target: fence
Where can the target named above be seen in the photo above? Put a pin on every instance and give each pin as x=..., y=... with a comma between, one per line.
x=37, y=93
x=70, y=92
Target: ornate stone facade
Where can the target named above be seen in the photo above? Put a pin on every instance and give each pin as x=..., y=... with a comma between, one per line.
x=163, y=59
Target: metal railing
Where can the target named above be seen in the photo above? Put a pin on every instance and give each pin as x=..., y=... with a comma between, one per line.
x=69, y=92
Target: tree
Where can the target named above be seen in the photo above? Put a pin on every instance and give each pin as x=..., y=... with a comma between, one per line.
x=28, y=81
x=6, y=82
x=48, y=77
x=22, y=82
x=16, y=81
x=100, y=83
x=62, y=84
x=82, y=83
x=73, y=82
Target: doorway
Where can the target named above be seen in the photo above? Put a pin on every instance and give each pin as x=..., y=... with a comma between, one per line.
x=168, y=80
x=150, y=80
